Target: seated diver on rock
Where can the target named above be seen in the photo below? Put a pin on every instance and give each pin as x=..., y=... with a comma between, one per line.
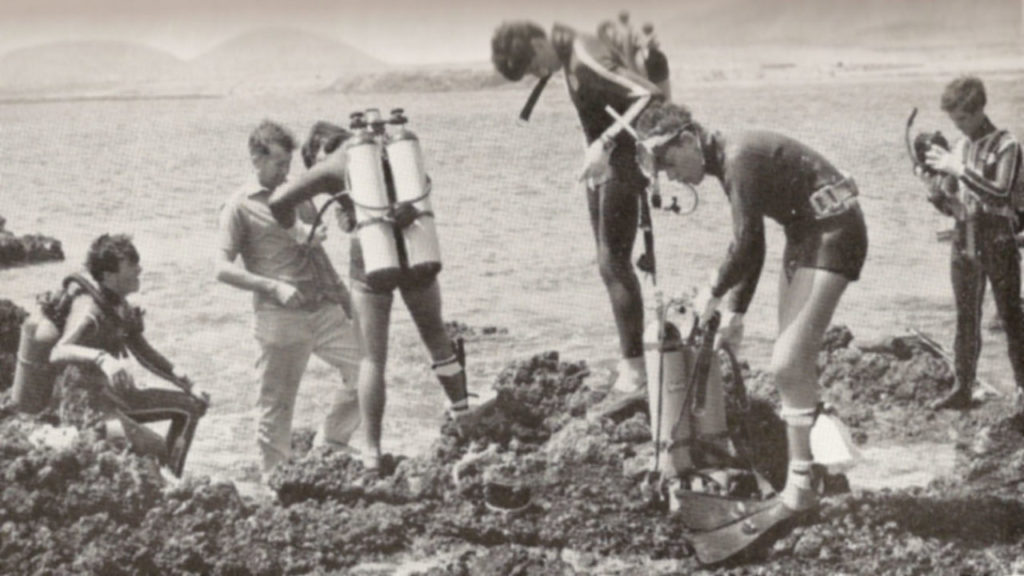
x=89, y=324
x=377, y=178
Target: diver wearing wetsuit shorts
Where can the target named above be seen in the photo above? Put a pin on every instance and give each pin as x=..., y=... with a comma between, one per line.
x=601, y=71
x=769, y=175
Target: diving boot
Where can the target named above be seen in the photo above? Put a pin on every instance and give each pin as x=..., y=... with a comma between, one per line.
x=958, y=398
x=451, y=373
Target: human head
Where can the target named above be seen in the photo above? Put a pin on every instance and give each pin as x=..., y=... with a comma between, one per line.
x=270, y=147
x=520, y=48
x=964, y=101
x=324, y=137
x=113, y=262
x=671, y=141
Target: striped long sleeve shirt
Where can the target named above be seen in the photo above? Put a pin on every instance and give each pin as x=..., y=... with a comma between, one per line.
x=990, y=166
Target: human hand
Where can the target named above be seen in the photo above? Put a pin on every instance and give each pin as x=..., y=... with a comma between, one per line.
x=346, y=219
x=116, y=371
x=182, y=379
x=705, y=304
x=300, y=233
x=404, y=214
x=730, y=332
x=595, y=163
x=287, y=295
x=944, y=161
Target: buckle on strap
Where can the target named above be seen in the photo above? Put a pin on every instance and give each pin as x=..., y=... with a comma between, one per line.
x=834, y=199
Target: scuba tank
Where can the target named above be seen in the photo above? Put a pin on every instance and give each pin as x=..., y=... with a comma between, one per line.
x=33, y=373
x=687, y=404
x=422, y=250
x=366, y=184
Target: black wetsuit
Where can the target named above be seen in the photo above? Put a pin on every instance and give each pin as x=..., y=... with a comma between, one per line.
x=766, y=174
x=600, y=74
x=991, y=163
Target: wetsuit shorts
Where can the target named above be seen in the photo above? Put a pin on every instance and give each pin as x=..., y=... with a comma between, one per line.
x=406, y=280
x=838, y=244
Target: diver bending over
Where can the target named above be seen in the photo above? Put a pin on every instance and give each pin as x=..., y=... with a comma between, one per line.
x=601, y=71
x=769, y=175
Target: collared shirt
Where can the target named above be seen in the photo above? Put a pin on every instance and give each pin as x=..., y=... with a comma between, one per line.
x=247, y=228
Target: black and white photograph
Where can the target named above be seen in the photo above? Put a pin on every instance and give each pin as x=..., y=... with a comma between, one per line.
x=511, y=288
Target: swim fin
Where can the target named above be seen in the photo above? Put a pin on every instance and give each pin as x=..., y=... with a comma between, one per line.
x=722, y=544
x=702, y=512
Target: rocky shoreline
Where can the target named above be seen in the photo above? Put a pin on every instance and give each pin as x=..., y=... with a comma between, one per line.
x=28, y=249
x=74, y=503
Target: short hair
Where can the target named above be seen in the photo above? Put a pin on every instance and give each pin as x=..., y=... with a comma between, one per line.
x=107, y=252
x=663, y=118
x=512, y=48
x=267, y=133
x=966, y=93
x=324, y=136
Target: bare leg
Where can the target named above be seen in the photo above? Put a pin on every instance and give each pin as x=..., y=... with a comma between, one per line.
x=374, y=320
x=805, y=310
x=424, y=306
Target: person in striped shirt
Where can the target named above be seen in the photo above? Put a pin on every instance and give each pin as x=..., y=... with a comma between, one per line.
x=600, y=73
x=974, y=185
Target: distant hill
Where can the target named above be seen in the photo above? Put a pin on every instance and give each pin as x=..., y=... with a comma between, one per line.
x=82, y=65
x=836, y=23
x=282, y=52
x=437, y=78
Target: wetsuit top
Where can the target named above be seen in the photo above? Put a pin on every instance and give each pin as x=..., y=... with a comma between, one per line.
x=599, y=74
x=990, y=165
x=764, y=174
x=114, y=327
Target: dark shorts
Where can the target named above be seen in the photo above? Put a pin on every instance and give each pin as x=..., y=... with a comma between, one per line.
x=838, y=244
x=404, y=279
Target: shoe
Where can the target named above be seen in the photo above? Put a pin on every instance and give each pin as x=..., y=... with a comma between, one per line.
x=958, y=398
x=631, y=375
x=620, y=407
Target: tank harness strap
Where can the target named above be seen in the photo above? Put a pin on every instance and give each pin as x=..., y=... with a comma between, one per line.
x=93, y=291
x=447, y=367
x=27, y=362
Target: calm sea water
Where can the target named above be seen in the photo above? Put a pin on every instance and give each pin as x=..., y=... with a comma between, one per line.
x=517, y=245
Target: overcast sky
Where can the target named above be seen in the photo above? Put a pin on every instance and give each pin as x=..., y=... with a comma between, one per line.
x=398, y=31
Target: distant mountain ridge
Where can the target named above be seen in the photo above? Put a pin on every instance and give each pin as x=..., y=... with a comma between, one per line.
x=83, y=63
x=257, y=58
x=272, y=51
x=841, y=23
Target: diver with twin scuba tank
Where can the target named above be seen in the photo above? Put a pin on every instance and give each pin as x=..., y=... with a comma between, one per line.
x=378, y=178
x=978, y=183
x=769, y=175
x=606, y=70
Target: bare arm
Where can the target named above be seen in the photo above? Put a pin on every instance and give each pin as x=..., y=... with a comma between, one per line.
x=326, y=177
x=80, y=325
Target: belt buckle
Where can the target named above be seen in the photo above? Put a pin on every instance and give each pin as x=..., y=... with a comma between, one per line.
x=833, y=199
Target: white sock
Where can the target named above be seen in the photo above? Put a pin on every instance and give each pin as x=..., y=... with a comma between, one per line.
x=798, y=493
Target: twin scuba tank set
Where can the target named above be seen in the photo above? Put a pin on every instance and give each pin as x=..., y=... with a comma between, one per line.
x=385, y=171
x=695, y=449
